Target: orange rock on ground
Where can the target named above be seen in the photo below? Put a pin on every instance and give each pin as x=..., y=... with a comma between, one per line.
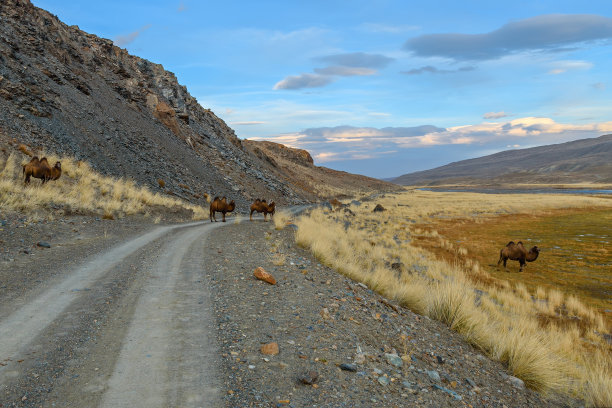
x=270, y=349
x=261, y=274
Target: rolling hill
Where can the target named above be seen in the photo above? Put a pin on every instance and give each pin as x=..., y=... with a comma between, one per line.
x=579, y=161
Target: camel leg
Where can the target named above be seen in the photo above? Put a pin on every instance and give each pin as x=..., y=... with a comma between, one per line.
x=251, y=215
x=522, y=265
x=265, y=216
x=223, y=216
x=505, y=260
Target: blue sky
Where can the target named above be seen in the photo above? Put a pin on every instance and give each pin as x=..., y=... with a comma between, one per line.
x=381, y=88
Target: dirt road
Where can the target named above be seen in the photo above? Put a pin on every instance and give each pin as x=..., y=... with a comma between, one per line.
x=127, y=327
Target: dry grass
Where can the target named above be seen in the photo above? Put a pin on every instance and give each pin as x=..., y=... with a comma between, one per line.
x=281, y=219
x=502, y=318
x=81, y=190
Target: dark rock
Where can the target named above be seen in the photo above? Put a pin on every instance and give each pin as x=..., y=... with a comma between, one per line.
x=309, y=377
x=44, y=244
x=348, y=367
x=379, y=208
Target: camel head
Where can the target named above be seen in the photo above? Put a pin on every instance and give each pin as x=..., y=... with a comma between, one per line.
x=533, y=253
x=231, y=206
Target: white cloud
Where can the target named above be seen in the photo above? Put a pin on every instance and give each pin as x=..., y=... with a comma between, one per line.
x=303, y=81
x=345, y=71
x=354, y=143
x=495, y=115
x=560, y=67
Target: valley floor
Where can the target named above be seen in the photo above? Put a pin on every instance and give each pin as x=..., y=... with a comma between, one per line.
x=357, y=349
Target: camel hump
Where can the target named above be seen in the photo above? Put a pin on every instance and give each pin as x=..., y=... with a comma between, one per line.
x=510, y=243
x=216, y=198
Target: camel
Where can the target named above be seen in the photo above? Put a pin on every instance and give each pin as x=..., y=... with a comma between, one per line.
x=41, y=169
x=517, y=252
x=221, y=206
x=262, y=207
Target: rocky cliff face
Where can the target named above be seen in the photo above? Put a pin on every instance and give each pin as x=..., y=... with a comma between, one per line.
x=69, y=92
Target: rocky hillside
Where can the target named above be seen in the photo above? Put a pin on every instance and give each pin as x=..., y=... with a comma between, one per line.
x=586, y=160
x=69, y=92
x=297, y=168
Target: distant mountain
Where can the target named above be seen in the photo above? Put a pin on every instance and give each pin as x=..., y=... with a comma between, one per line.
x=585, y=160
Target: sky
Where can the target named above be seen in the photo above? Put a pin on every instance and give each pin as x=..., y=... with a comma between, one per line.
x=381, y=88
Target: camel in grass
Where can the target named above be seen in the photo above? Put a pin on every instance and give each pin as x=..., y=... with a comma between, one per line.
x=40, y=169
x=517, y=252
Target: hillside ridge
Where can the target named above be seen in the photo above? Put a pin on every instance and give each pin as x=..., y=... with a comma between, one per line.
x=584, y=160
x=71, y=93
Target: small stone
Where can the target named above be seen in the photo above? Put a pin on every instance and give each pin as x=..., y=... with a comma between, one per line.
x=433, y=374
x=44, y=244
x=261, y=274
x=348, y=367
x=383, y=380
x=325, y=314
x=270, y=349
x=309, y=378
x=469, y=381
x=450, y=392
x=440, y=360
x=517, y=382
x=359, y=358
x=394, y=359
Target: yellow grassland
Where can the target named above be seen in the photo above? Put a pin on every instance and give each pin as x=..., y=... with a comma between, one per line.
x=80, y=190
x=495, y=315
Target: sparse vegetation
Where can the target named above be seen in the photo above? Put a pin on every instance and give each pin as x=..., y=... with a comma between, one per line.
x=502, y=318
x=81, y=190
x=280, y=219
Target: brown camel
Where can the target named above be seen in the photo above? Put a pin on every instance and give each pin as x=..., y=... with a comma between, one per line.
x=40, y=169
x=517, y=252
x=221, y=206
x=262, y=207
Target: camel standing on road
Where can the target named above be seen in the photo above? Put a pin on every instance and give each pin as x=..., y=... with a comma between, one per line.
x=262, y=207
x=222, y=206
